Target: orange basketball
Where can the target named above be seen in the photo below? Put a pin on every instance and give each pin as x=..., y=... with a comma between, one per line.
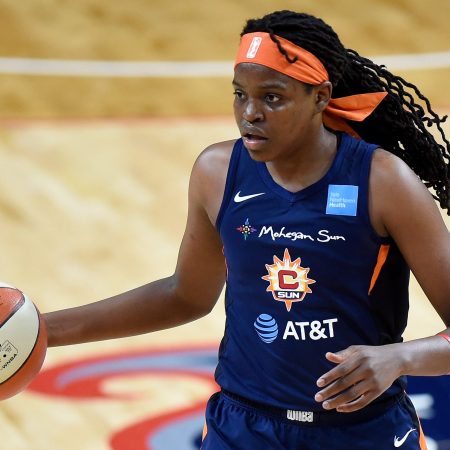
x=23, y=341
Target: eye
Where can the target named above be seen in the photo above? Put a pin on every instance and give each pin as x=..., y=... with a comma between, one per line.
x=239, y=95
x=272, y=98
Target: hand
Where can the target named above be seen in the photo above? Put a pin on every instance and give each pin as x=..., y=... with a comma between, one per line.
x=362, y=374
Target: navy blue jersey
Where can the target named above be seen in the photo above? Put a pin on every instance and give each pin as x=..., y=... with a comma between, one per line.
x=306, y=274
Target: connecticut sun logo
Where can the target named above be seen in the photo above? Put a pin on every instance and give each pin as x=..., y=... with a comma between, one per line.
x=288, y=280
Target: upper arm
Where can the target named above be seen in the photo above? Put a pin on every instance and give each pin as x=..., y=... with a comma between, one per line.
x=403, y=207
x=200, y=272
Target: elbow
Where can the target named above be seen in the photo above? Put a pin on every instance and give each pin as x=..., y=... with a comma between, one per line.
x=195, y=308
x=192, y=305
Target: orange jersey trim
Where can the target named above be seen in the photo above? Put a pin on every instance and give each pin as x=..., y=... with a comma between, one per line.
x=382, y=256
x=422, y=441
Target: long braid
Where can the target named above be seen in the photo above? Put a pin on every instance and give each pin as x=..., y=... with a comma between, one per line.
x=400, y=123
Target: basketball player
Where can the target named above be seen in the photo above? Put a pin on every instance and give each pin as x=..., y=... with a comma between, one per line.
x=313, y=219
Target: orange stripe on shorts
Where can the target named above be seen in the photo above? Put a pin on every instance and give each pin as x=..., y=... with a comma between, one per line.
x=382, y=256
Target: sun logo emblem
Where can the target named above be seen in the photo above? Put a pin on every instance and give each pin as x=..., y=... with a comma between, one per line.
x=288, y=280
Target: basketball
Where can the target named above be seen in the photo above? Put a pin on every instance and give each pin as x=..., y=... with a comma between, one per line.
x=23, y=341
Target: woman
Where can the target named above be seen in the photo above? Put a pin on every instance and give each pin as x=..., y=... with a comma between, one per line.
x=319, y=230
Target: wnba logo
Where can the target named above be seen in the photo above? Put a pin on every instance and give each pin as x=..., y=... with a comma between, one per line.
x=8, y=354
x=253, y=48
x=300, y=416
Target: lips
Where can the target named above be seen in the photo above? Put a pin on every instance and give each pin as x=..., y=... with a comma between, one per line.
x=254, y=142
x=252, y=132
x=254, y=137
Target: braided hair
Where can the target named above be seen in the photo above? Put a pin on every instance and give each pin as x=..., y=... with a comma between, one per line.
x=399, y=124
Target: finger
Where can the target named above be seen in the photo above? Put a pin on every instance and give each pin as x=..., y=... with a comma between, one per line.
x=348, y=396
x=358, y=404
x=339, y=386
x=335, y=357
x=341, y=355
x=340, y=371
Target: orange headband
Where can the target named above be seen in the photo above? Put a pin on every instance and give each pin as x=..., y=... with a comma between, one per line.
x=258, y=48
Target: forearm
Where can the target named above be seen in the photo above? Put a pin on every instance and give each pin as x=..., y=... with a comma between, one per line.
x=362, y=372
x=425, y=357
x=151, y=307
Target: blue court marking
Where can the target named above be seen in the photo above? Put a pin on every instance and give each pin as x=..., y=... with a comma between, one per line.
x=196, y=361
x=183, y=434
x=431, y=397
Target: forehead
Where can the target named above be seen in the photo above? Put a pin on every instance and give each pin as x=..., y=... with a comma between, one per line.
x=257, y=75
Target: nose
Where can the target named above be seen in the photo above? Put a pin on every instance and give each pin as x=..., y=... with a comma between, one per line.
x=252, y=111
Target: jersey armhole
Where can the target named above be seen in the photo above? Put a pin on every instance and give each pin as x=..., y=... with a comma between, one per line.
x=229, y=183
x=364, y=197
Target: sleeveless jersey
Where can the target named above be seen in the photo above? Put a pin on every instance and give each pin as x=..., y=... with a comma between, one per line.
x=306, y=274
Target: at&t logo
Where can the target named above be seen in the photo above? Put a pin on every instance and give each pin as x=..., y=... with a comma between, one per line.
x=266, y=327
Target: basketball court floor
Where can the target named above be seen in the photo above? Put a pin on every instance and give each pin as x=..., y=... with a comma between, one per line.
x=95, y=206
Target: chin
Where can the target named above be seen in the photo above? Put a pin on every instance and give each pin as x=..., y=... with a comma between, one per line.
x=258, y=155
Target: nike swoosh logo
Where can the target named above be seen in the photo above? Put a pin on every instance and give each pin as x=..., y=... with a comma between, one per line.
x=399, y=442
x=238, y=198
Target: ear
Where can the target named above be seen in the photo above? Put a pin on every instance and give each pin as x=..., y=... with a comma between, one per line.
x=322, y=93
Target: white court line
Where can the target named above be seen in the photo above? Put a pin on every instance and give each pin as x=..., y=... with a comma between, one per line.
x=183, y=69
x=87, y=68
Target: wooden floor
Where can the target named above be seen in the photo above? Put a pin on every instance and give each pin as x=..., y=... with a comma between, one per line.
x=94, y=207
x=86, y=215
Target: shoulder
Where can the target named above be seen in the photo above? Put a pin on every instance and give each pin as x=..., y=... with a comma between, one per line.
x=394, y=191
x=389, y=173
x=209, y=174
x=215, y=158
x=384, y=163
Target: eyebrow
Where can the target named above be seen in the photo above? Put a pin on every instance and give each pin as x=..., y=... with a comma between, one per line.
x=267, y=85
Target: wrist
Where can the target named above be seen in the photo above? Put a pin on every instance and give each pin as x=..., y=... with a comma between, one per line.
x=403, y=358
x=445, y=336
x=423, y=357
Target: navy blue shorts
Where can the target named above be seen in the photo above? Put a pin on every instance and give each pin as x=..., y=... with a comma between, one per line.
x=233, y=423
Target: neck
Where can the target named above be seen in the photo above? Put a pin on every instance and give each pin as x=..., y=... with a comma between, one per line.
x=307, y=164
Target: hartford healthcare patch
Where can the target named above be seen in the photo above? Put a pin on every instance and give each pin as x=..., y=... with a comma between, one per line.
x=342, y=200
